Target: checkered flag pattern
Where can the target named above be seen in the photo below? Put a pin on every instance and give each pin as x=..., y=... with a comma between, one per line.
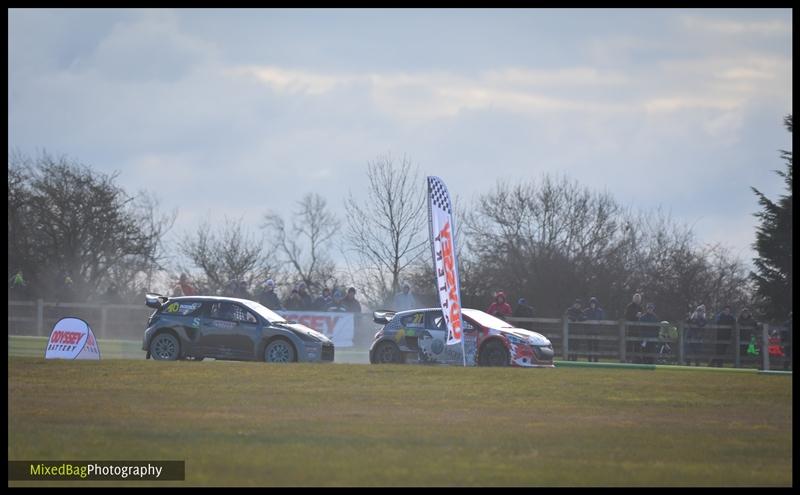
x=438, y=194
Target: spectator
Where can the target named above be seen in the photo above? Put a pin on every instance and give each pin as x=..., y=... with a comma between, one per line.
x=186, y=287
x=66, y=289
x=17, y=286
x=649, y=332
x=523, y=309
x=593, y=312
x=350, y=303
x=786, y=339
x=574, y=313
x=694, y=337
x=240, y=290
x=724, y=318
x=747, y=329
x=177, y=291
x=305, y=297
x=500, y=308
x=404, y=300
x=231, y=290
x=632, y=313
x=337, y=302
x=112, y=295
x=323, y=302
x=293, y=302
x=268, y=298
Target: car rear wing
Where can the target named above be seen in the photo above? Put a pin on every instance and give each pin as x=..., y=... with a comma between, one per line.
x=383, y=316
x=153, y=300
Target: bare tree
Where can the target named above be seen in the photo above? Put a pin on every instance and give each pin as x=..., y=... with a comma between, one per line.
x=386, y=231
x=305, y=246
x=68, y=221
x=232, y=254
x=553, y=241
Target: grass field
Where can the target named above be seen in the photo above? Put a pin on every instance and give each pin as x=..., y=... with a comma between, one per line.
x=309, y=424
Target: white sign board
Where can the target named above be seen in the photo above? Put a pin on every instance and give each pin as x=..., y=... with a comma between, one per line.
x=339, y=327
x=72, y=338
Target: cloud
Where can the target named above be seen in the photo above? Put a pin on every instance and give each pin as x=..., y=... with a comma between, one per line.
x=151, y=47
x=432, y=95
x=774, y=27
x=654, y=112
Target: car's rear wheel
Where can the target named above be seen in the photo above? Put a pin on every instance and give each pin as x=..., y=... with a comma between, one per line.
x=386, y=353
x=494, y=353
x=279, y=351
x=165, y=347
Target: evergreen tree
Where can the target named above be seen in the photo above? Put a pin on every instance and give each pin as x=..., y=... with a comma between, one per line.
x=773, y=275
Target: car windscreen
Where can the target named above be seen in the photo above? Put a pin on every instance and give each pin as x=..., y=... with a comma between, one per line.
x=486, y=320
x=265, y=312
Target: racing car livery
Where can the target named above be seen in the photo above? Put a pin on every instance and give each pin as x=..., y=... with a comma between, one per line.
x=420, y=336
x=197, y=327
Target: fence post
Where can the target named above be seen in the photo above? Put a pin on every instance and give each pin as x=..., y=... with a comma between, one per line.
x=622, y=346
x=565, y=338
x=737, y=357
x=40, y=317
x=765, y=346
x=103, y=321
x=681, y=340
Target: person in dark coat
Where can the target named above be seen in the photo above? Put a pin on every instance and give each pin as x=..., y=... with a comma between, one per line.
x=724, y=318
x=596, y=313
x=574, y=313
x=305, y=298
x=786, y=339
x=632, y=313
x=269, y=298
x=350, y=303
x=293, y=302
x=523, y=309
x=323, y=302
x=694, y=336
x=648, y=332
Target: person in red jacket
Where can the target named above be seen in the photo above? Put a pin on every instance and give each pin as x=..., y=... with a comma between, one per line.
x=500, y=308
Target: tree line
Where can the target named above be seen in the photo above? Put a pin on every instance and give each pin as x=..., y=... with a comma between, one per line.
x=73, y=230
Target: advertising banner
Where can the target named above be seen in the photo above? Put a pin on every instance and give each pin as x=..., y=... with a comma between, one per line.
x=339, y=327
x=445, y=264
x=72, y=338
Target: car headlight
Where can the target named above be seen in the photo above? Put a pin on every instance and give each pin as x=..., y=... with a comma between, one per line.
x=308, y=337
x=541, y=342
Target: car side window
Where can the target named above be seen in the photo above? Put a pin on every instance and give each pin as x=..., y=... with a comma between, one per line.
x=437, y=322
x=414, y=320
x=231, y=312
x=249, y=317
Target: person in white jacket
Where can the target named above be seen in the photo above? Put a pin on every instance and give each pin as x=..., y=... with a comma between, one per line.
x=404, y=300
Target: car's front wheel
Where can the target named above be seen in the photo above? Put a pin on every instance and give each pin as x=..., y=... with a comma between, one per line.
x=165, y=347
x=279, y=351
x=386, y=353
x=493, y=353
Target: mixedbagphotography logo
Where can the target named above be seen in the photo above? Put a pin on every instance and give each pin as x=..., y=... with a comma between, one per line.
x=96, y=470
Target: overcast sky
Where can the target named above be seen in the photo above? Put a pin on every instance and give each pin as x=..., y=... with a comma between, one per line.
x=236, y=112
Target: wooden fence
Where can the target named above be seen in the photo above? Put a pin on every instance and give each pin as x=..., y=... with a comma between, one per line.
x=606, y=340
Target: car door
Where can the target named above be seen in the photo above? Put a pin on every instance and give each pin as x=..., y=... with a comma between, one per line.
x=452, y=354
x=433, y=341
x=228, y=331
